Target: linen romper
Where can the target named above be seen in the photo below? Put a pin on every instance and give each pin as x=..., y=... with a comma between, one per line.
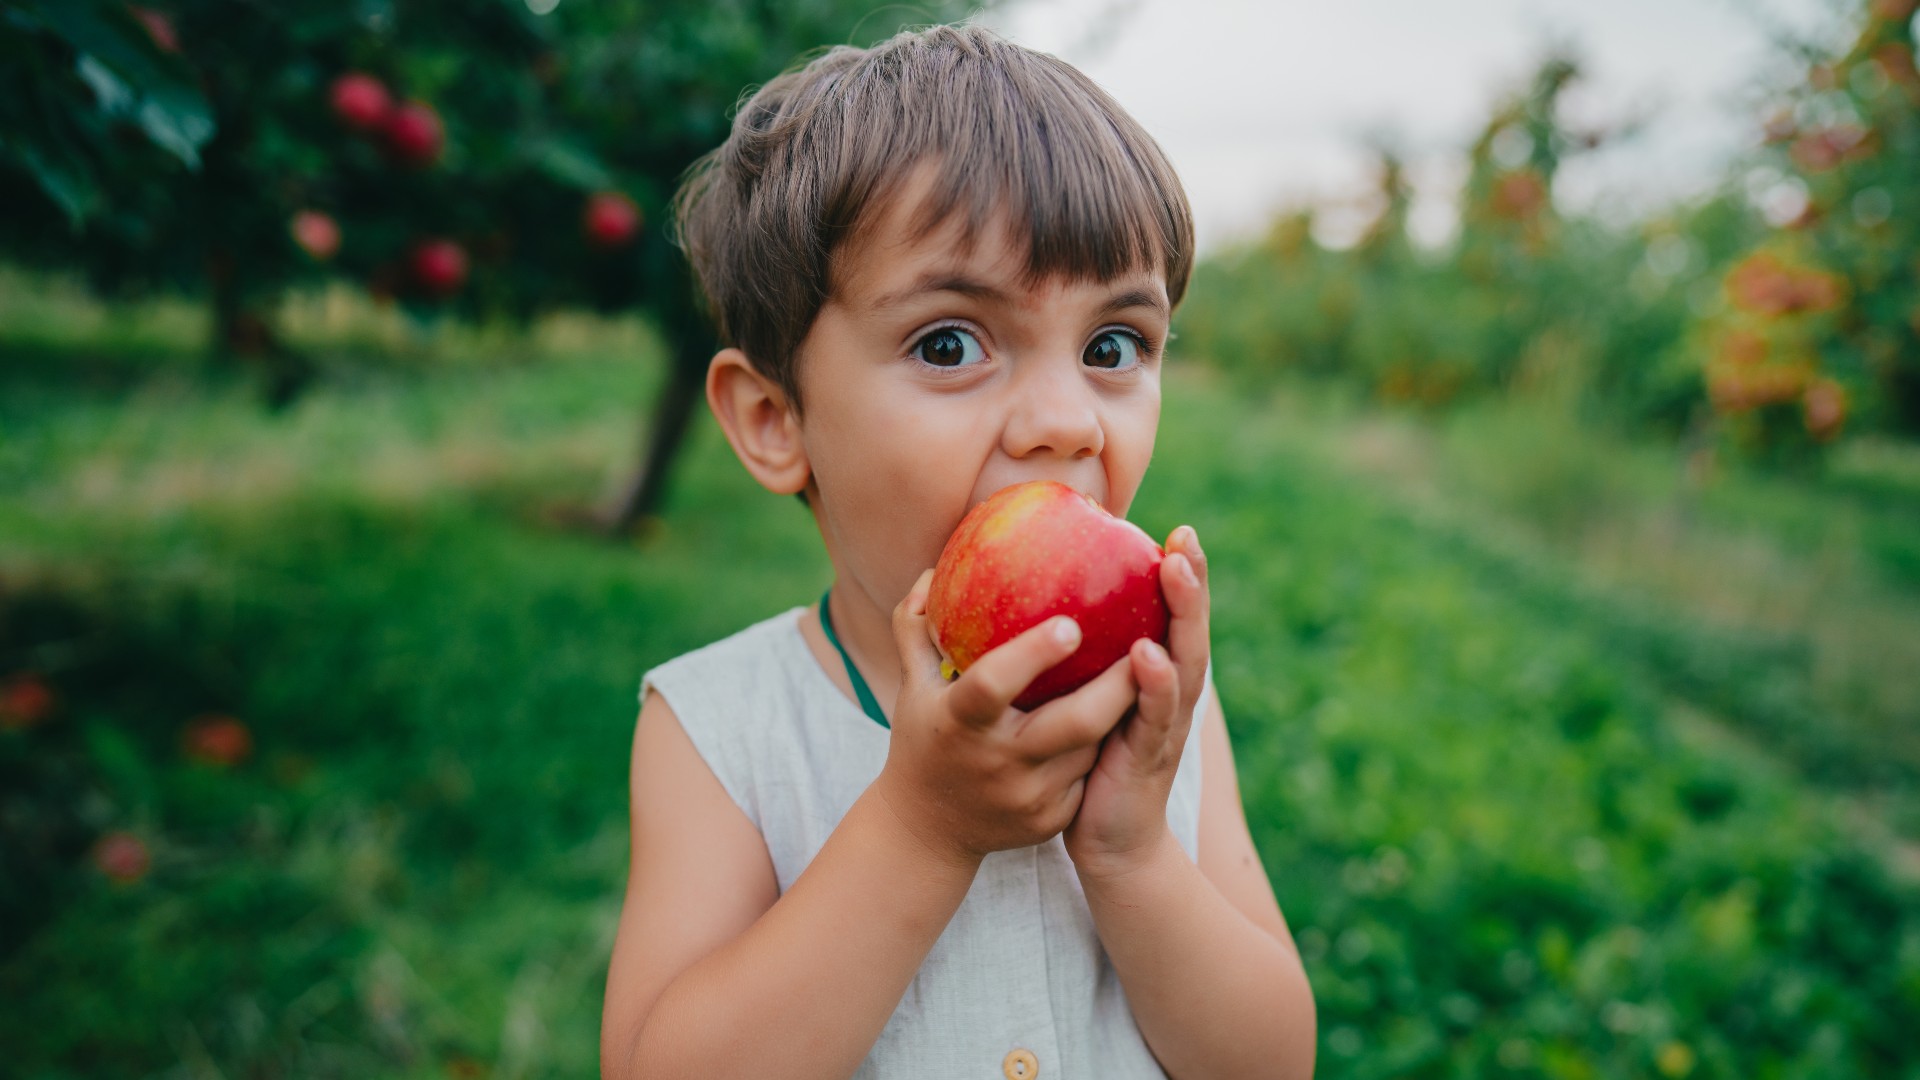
x=1018, y=985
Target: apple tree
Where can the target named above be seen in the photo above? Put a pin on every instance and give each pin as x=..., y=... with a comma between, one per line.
x=467, y=157
x=1819, y=332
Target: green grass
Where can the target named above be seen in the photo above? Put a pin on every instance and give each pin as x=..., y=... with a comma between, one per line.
x=1787, y=606
x=1533, y=805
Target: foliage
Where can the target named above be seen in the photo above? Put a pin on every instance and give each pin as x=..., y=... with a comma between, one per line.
x=1523, y=299
x=1779, y=336
x=90, y=88
x=518, y=121
x=1821, y=328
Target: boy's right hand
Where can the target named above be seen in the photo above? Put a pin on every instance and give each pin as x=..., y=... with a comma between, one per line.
x=966, y=772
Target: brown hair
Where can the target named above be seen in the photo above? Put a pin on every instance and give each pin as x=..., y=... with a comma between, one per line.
x=817, y=149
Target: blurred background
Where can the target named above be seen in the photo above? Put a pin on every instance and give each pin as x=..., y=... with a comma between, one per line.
x=1548, y=395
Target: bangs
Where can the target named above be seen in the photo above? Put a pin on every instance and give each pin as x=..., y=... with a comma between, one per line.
x=1028, y=140
x=1016, y=136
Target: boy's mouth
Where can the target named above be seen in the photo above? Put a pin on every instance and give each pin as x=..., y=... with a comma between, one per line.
x=1092, y=486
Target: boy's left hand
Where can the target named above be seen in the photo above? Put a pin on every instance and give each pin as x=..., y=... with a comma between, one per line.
x=1123, y=811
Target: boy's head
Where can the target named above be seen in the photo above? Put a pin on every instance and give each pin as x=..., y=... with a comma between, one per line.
x=941, y=265
x=819, y=150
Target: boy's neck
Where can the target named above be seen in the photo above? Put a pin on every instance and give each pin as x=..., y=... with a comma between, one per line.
x=866, y=632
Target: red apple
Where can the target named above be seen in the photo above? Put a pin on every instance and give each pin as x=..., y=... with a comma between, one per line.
x=159, y=27
x=360, y=101
x=316, y=233
x=1040, y=549
x=217, y=740
x=439, y=267
x=121, y=856
x=413, y=135
x=610, y=219
x=25, y=700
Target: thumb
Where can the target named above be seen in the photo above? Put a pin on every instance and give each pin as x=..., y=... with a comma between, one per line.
x=919, y=660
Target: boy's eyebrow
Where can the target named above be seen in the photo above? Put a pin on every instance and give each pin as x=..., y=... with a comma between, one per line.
x=939, y=281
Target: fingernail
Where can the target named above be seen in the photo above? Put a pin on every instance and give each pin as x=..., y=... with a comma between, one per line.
x=1193, y=541
x=1066, y=631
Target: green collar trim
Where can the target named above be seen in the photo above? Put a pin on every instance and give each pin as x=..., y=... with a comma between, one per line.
x=860, y=688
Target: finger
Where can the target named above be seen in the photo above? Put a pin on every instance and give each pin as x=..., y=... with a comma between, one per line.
x=1081, y=718
x=1186, y=540
x=919, y=660
x=987, y=688
x=1187, y=633
x=1159, y=725
x=1070, y=798
x=1076, y=763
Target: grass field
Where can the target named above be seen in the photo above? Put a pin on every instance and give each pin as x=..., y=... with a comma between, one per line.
x=1567, y=758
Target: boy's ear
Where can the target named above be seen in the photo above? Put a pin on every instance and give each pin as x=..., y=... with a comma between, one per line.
x=759, y=421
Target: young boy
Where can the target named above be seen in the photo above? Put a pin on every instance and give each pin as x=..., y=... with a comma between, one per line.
x=942, y=265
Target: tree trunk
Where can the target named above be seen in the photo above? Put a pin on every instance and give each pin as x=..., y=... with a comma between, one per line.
x=243, y=335
x=672, y=411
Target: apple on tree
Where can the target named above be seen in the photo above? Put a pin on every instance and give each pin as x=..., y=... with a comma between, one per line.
x=610, y=219
x=316, y=233
x=413, y=135
x=122, y=857
x=360, y=101
x=438, y=267
x=159, y=27
x=1036, y=550
x=218, y=740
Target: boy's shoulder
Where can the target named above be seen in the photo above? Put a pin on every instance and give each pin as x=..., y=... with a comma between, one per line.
x=736, y=657
x=754, y=711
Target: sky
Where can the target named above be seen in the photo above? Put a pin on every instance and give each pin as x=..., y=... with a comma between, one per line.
x=1266, y=103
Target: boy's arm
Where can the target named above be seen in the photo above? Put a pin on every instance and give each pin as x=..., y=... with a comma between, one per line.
x=714, y=976
x=1208, y=965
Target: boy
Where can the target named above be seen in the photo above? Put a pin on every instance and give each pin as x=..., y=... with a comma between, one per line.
x=942, y=266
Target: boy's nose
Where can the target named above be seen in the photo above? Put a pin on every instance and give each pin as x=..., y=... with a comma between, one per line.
x=1054, y=414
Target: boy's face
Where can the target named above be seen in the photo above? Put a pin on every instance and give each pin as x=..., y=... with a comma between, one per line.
x=933, y=378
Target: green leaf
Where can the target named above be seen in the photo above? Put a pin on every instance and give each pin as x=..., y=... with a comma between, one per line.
x=180, y=134
x=41, y=137
x=121, y=63
x=567, y=162
x=115, y=97
x=65, y=179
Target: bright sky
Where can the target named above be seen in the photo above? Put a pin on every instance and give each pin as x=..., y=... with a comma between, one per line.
x=1264, y=102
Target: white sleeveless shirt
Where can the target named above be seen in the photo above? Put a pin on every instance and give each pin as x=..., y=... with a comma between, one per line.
x=1018, y=984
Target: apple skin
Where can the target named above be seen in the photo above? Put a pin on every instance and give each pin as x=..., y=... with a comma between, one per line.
x=1036, y=550
x=159, y=27
x=316, y=233
x=413, y=135
x=610, y=219
x=360, y=101
x=439, y=267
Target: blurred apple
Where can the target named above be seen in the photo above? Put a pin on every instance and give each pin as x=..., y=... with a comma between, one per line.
x=439, y=267
x=217, y=740
x=413, y=134
x=316, y=233
x=1825, y=406
x=121, y=856
x=360, y=101
x=25, y=700
x=610, y=220
x=1036, y=550
x=159, y=27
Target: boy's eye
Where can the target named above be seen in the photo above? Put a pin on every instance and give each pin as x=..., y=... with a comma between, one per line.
x=1115, y=349
x=950, y=346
